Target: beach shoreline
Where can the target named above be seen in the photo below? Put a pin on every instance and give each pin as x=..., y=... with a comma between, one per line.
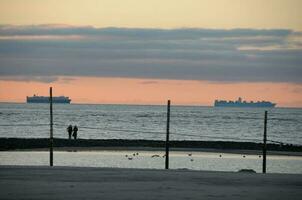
x=42, y=144
x=154, y=149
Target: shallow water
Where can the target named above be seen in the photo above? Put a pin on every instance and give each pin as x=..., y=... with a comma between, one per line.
x=144, y=159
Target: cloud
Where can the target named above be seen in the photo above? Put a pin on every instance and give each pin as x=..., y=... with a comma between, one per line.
x=43, y=79
x=273, y=55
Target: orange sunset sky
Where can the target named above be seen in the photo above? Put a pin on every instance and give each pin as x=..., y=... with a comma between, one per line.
x=145, y=52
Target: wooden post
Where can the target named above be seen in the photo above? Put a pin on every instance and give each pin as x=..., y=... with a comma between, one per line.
x=51, y=129
x=167, y=135
x=264, y=143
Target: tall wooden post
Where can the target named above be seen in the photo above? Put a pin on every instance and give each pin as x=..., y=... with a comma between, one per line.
x=264, y=143
x=167, y=135
x=51, y=129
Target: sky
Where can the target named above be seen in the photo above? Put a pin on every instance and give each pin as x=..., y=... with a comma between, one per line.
x=145, y=52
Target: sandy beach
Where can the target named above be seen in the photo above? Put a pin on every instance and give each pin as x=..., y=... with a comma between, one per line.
x=112, y=183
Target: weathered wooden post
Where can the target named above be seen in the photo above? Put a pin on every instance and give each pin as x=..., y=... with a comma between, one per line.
x=167, y=135
x=264, y=143
x=51, y=129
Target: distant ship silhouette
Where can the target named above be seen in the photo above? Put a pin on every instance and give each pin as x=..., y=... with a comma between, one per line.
x=43, y=99
x=240, y=103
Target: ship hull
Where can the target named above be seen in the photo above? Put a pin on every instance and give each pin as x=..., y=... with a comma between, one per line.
x=245, y=106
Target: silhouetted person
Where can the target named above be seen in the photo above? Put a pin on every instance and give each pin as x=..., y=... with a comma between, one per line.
x=75, y=132
x=69, y=130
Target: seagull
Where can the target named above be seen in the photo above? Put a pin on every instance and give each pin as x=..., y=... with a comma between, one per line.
x=190, y=154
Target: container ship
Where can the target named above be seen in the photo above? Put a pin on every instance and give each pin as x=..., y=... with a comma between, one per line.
x=42, y=99
x=240, y=103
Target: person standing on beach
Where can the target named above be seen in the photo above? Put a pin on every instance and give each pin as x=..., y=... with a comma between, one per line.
x=69, y=130
x=75, y=132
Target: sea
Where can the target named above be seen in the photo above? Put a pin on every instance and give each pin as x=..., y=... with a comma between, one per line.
x=21, y=120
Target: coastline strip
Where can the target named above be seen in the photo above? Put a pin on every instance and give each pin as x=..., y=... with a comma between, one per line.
x=7, y=144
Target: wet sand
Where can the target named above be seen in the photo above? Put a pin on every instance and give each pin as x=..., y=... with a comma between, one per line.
x=41, y=144
x=112, y=183
x=162, y=150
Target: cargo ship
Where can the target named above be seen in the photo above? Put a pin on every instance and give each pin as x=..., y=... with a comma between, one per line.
x=43, y=99
x=240, y=103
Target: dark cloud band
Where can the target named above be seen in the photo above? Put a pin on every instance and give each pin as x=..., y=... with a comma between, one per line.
x=187, y=54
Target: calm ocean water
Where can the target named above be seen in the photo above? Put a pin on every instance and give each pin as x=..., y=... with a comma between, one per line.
x=149, y=122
